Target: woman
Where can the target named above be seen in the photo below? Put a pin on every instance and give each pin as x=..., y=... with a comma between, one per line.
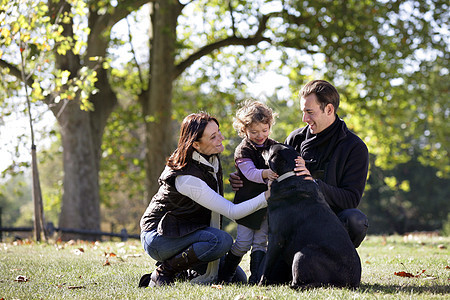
x=176, y=227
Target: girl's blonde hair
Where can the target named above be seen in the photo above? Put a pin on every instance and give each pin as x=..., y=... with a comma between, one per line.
x=252, y=112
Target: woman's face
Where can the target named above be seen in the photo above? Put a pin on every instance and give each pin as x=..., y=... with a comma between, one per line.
x=211, y=141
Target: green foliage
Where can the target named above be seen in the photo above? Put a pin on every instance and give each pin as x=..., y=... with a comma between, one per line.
x=15, y=201
x=409, y=197
x=51, y=178
x=122, y=174
x=446, y=227
x=33, y=32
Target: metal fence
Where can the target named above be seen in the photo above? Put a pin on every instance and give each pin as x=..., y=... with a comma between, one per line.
x=51, y=229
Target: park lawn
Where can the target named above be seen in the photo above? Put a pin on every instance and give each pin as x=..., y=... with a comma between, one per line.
x=111, y=270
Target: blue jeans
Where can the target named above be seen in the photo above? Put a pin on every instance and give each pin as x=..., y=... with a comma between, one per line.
x=209, y=244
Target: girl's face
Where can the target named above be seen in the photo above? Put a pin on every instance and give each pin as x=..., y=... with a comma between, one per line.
x=258, y=132
x=211, y=140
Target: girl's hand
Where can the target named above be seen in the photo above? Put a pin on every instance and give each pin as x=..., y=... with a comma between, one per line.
x=269, y=174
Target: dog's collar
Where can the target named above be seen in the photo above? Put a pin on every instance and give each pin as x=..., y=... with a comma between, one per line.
x=286, y=175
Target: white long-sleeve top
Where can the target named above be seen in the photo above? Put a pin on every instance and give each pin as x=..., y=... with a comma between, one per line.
x=200, y=192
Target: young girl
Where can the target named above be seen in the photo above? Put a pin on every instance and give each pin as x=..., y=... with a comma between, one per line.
x=253, y=123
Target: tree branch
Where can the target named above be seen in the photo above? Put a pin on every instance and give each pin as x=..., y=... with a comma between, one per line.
x=232, y=40
x=233, y=25
x=124, y=8
x=130, y=38
x=14, y=71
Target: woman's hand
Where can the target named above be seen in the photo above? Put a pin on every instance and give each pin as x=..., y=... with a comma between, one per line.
x=235, y=181
x=267, y=193
x=300, y=168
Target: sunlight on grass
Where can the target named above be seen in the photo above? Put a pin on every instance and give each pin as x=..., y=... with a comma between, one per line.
x=109, y=270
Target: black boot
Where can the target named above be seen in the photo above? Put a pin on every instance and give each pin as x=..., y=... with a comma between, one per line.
x=228, y=270
x=256, y=258
x=165, y=273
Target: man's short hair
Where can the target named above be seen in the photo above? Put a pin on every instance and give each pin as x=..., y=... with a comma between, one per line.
x=325, y=92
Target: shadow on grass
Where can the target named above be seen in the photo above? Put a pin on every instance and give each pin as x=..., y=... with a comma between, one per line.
x=394, y=288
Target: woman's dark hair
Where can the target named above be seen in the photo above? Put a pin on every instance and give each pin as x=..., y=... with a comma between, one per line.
x=192, y=129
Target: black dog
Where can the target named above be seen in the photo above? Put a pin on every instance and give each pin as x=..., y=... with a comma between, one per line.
x=304, y=232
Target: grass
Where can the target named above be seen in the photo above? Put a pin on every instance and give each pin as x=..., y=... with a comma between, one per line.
x=111, y=270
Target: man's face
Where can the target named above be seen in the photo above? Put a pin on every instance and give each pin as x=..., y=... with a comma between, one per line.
x=317, y=119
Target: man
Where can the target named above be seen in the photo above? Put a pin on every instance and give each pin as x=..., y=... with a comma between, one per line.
x=331, y=155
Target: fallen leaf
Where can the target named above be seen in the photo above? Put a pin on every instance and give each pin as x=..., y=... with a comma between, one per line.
x=403, y=274
x=72, y=287
x=133, y=255
x=78, y=251
x=110, y=254
x=107, y=263
x=216, y=286
x=441, y=246
x=407, y=274
x=21, y=278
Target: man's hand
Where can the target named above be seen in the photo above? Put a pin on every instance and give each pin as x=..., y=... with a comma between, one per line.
x=235, y=181
x=300, y=168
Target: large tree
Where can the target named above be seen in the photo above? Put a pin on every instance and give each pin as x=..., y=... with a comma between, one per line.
x=76, y=69
x=372, y=50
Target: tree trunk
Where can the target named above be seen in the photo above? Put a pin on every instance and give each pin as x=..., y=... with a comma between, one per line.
x=81, y=204
x=81, y=134
x=157, y=107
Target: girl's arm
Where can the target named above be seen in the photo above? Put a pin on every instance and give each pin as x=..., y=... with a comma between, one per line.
x=249, y=170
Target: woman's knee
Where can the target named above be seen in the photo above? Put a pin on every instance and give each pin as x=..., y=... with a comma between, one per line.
x=216, y=243
x=146, y=241
x=225, y=239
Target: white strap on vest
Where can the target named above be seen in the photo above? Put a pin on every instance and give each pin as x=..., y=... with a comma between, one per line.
x=212, y=270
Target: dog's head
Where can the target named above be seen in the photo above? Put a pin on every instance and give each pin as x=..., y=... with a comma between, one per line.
x=280, y=158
